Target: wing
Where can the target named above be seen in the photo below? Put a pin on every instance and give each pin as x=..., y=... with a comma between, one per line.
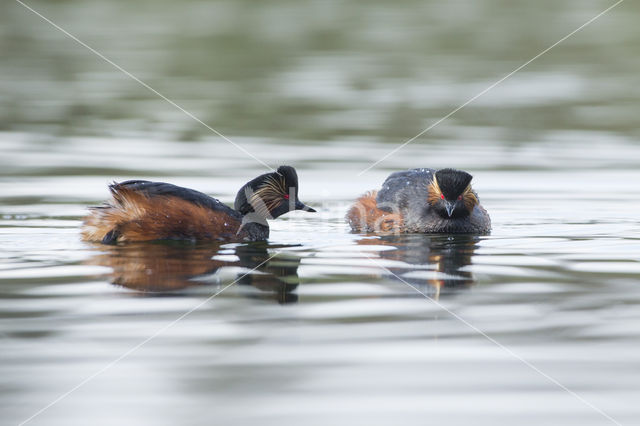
x=143, y=210
x=161, y=189
x=401, y=188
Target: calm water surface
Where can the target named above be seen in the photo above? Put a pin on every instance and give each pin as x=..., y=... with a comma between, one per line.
x=319, y=325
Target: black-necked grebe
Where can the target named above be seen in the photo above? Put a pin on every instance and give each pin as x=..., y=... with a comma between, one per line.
x=424, y=201
x=143, y=211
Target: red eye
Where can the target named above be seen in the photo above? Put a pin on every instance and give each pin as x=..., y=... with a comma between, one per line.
x=459, y=197
x=286, y=196
x=442, y=196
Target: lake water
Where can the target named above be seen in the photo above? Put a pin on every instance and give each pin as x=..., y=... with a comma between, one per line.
x=537, y=323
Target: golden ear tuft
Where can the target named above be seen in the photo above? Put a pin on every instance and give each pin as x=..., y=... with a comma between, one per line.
x=270, y=193
x=469, y=198
x=434, y=192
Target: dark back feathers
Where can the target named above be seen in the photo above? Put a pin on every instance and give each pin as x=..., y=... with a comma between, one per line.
x=155, y=189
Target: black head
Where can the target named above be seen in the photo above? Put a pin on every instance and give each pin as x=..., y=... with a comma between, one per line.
x=271, y=195
x=450, y=194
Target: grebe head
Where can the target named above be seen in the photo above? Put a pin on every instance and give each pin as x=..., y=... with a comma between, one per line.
x=451, y=195
x=271, y=195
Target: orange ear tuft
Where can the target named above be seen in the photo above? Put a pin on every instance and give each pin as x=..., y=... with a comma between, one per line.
x=469, y=198
x=434, y=193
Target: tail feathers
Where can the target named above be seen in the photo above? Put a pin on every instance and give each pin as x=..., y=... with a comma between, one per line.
x=102, y=223
x=365, y=216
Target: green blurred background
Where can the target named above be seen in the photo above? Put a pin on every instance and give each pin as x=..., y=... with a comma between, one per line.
x=313, y=71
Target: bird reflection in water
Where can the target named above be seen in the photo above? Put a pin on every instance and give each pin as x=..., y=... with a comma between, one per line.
x=438, y=260
x=165, y=267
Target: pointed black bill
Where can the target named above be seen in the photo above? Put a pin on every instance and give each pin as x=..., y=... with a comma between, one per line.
x=301, y=206
x=450, y=207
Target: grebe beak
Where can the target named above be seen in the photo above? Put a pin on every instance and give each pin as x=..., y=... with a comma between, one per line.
x=450, y=207
x=301, y=206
